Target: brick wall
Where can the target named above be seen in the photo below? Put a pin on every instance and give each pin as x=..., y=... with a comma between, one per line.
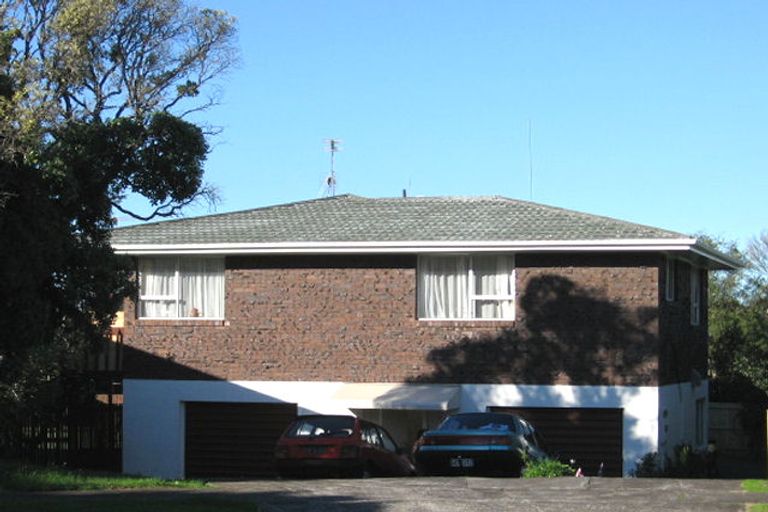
x=684, y=346
x=580, y=319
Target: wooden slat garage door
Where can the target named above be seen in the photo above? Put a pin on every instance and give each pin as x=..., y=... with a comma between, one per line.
x=589, y=436
x=233, y=439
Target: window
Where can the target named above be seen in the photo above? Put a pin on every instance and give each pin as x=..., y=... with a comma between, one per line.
x=181, y=288
x=388, y=443
x=370, y=435
x=695, y=296
x=670, y=280
x=467, y=287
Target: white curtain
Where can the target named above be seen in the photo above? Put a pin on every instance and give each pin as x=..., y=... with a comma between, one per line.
x=199, y=292
x=443, y=287
x=158, y=287
x=494, y=276
x=202, y=287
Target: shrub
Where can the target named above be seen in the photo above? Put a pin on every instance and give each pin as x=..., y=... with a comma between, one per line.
x=685, y=463
x=647, y=466
x=546, y=468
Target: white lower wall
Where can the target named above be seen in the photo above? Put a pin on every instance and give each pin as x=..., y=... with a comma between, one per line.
x=677, y=416
x=153, y=414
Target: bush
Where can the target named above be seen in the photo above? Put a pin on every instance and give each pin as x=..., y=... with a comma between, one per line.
x=648, y=466
x=685, y=463
x=546, y=468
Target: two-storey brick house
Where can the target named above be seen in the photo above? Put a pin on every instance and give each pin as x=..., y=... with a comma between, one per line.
x=401, y=310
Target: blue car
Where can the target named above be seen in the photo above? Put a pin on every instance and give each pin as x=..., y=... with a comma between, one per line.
x=482, y=443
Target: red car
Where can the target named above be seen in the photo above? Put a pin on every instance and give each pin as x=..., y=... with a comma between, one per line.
x=320, y=445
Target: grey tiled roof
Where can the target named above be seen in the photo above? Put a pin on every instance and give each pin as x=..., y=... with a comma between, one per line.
x=349, y=218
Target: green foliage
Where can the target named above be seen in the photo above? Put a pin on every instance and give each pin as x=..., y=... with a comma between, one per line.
x=738, y=317
x=546, y=468
x=92, y=99
x=685, y=463
x=755, y=486
x=648, y=466
x=38, y=478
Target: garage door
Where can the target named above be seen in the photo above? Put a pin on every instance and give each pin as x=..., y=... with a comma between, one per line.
x=588, y=436
x=233, y=439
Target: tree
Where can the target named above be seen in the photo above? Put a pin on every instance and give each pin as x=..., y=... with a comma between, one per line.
x=97, y=61
x=93, y=96
x=757, y=252
x=738, y=317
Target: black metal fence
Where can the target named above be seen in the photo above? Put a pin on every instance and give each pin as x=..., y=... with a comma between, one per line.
x=89, y=437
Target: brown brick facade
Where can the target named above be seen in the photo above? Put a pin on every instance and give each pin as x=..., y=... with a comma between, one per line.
x=581, y=319
x=685, y=345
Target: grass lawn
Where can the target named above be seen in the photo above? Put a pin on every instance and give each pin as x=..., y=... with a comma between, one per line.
x=147, y=494
x=25, y=477
x=755, y=485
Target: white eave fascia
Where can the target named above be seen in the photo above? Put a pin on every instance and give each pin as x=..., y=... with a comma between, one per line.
x=720, y=261
x=412, y=247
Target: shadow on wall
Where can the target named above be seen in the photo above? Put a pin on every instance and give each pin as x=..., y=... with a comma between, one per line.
x=139, y=364
x=571, y=335
x=568, y=334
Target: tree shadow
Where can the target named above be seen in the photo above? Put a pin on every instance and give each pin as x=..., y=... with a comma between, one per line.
x=204, y=499
x=567, y=334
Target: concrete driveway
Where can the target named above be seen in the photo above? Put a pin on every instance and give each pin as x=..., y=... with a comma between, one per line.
x=493, y=494
x=431, y=494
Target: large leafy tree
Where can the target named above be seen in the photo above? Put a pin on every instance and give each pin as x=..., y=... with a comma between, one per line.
x=738, y=322
x=94, y=96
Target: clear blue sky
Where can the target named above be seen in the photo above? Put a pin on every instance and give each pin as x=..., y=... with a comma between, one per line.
x=654, y=112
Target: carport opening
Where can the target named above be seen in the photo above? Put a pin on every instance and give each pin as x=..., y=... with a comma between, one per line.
x=405, y=425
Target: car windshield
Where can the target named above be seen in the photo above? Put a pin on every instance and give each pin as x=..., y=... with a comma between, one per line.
x=326, y=426
x=495, y=422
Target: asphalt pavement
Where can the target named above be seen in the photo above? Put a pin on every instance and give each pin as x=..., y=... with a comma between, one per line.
x=493, y=494
x=430, y=494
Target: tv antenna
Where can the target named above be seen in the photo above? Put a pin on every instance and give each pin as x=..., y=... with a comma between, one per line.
x=530, y=160
x=332, y=146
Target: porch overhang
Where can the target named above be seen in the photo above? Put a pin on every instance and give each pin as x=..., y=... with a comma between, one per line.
x=425, y=397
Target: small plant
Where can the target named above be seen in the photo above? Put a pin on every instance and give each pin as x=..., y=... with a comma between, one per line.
x=685, y=463
x=546, y=468
x=647, y=466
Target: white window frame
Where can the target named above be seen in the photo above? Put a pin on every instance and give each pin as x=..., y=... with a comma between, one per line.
x=669, y=280
x=472, y=294
x=695, y=296
x=176, y=297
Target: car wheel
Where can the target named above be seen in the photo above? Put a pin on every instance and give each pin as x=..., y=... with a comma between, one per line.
x=368, y=470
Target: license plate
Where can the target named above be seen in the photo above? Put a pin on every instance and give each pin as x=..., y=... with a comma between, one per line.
x=461, y=462
x=314, y=450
